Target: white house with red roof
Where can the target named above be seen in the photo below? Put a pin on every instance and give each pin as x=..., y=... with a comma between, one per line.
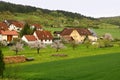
x=29, y=39
x=8, y=35
x=44, y=36
x=17, y=26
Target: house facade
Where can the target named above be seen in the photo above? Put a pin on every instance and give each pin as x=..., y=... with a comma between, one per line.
x=77, y=34
x=44, y=36
x=17, y=26
x=8, y=35
x=29, y=39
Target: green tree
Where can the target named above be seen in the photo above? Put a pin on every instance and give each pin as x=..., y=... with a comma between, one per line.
x=26, y=30
x=2, y=64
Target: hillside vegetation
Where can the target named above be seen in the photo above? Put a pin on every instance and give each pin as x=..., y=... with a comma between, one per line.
x=53, y=18
x=111, y=20
x=45, y=17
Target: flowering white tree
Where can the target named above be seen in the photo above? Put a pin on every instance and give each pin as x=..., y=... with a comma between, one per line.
x=17, y=47
x=108, y=36
x=57, y=45
x=37, y=45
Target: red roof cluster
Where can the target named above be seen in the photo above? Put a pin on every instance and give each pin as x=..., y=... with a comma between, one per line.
x=44, y=35
x=81, y=31
x=18, y=24
x=3, y=26
x=30, y=37
x=8, y=32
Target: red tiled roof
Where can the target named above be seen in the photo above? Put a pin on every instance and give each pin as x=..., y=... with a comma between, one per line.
x=37, y=26
x=30, y=37
x=66, y=31
x=8, y=32
x=3, y=26
x=81, y=31
x=44, y=35
x=18, y=24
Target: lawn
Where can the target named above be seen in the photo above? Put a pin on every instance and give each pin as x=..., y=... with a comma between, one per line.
x=114, y=32
x=45, y=54
x=99, y=67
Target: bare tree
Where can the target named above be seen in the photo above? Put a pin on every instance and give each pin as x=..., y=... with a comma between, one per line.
x=37, y=45
x=57, y=45
x=74, y=44
x=17, y=47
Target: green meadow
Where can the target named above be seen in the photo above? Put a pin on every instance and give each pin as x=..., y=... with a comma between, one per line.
x=80, y=64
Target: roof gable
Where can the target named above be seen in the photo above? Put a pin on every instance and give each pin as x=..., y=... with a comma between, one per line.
x=18, y=24
x=30, y=37
x=81, y=31
x=8, y=32
x=44, y=35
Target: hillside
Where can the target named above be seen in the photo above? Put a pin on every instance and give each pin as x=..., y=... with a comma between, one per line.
x=45, y=17
x=111, y=20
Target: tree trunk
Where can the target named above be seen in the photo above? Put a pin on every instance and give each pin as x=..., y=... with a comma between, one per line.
x=38, y=50
x=57, y=50
x=16, y=52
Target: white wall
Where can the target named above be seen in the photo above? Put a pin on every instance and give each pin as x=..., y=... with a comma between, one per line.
x=24, y=39
x=13, y=27
x=28, y=42
x=4, y=37
x=0, y=37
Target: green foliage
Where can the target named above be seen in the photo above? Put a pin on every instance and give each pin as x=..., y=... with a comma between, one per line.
x=26, y=30
x=2, y=64
x=45, y=17
x=87, y=43
x=111, y=20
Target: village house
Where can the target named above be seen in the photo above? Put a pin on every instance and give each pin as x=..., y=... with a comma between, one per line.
x=36, y=26
x=17, y=26
x=29, y=39
x=57, y=33
x=77, y=34
x=8, y=35
x=44, y=36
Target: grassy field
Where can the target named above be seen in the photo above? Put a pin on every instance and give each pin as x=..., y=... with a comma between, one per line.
x=114, y=32
x=100, y=67
x=45, y=54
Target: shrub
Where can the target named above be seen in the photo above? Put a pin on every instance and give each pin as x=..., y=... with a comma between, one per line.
x=2, y=64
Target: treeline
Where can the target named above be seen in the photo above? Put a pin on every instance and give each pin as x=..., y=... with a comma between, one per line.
x=6, y=6
x=111, y=20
